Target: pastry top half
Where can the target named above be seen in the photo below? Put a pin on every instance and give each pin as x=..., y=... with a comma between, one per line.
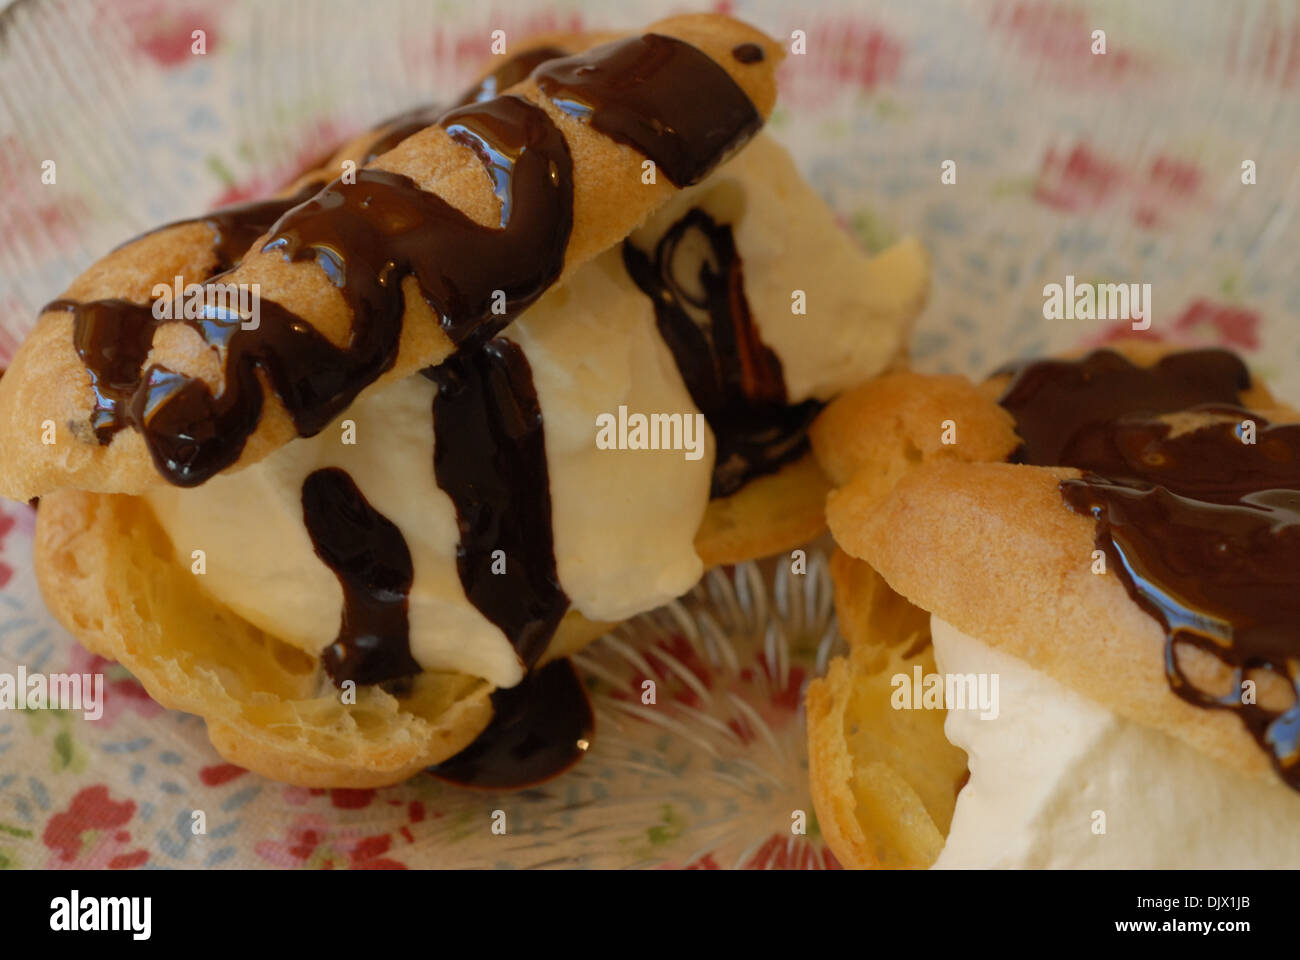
x=1126, y=523
x=441, y=241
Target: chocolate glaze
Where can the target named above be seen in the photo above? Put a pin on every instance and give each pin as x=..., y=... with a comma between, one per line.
x=369, y=235
x=512, y=71
x=1066, y=410
x=490, y=458
x=1202, y=529
x=367, y=553
x=237, y=226
x=659, y=95
x=748, y=53
x=112, y=339
x=533, y=736
x=733, y=377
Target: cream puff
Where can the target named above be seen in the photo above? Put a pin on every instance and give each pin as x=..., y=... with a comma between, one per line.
x=526, y=373
x=1107, y=544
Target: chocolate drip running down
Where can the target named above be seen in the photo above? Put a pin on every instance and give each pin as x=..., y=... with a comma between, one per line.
x=539, y=728
x=1202, y=528
x=369, y=556
x=733, y=377
x=490, y=458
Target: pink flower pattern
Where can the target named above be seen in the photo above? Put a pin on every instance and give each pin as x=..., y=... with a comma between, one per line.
x=91, y=834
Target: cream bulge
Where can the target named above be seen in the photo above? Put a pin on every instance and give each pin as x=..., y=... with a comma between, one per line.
x=1053, y=760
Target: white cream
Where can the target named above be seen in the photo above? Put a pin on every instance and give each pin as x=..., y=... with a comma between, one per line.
x=624, y=521
x=261, y=562
x=1053, y=758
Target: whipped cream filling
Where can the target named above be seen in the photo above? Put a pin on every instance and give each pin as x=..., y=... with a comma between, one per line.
x=624, y=521
x=1053, y=759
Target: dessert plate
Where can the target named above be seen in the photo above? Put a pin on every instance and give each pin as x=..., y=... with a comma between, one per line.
x=1125, y=167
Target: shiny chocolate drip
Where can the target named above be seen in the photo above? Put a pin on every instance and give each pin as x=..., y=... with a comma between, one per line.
x=748, y=53
x=660, y=96
x=1202, y=528
x=1066, y=410
x=733, y=377
x=490, y=458
x=113, y=337
x=512, y=71
x=369, y=235
x=539, y=729
x=367, y=553
x=238, y=225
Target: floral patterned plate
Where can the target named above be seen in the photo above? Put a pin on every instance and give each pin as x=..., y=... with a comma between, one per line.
x=1121, y=167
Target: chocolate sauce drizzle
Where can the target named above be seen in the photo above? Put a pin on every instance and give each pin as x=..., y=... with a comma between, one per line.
x=624, y=90
x=539, y=729
x=367, y=553
x=490, y=458
x=1066, y=411
x=516, y=68
x=733, y=377
x=1202, y=528
x=113, y=337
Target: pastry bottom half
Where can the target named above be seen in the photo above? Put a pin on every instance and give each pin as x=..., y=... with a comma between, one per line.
x=109, y=574
x=884, y=781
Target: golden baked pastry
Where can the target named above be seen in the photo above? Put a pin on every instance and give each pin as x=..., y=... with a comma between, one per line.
x=884, y=781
